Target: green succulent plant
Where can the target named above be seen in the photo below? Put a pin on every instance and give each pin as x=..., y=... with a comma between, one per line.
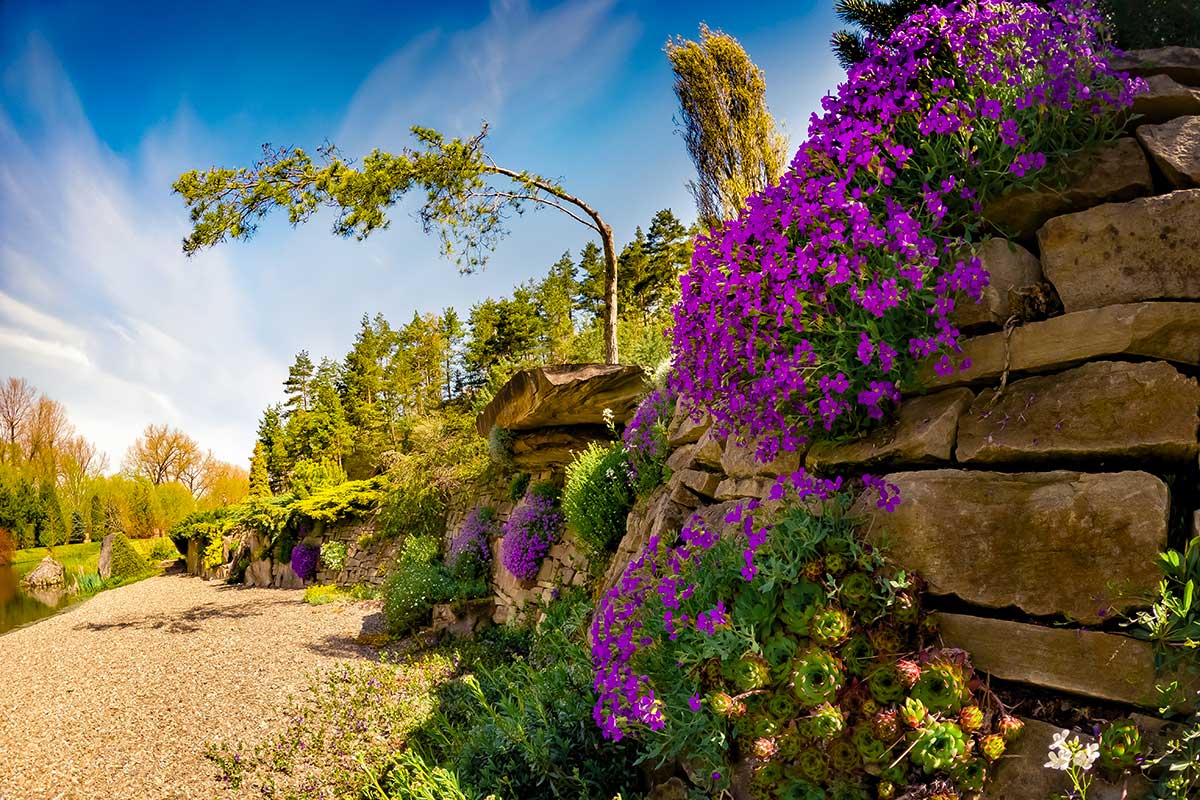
x=992, y=746
x=800, y=789
x=887, y=640
x=1120, y=746
x=836, y=563
x=756, y=608
x=905, y=609
x=913, y=712
x=885, y=686
x=938, y=746
x=942, y=687
x=843, y=755
x=779, y=650
x=749, y=672
x=783, y=706
x=870, y=748
x=813, y=764
x=817, y=677
x=830, y=626
x=800, y=602
x=856, y=590
x=970, y=718
x=846, y=790
x=886, y=725
x=970, y=774
x=857, y=654
x=825, y=722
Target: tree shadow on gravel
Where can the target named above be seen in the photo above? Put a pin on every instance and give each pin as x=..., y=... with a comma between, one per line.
x=189, y=621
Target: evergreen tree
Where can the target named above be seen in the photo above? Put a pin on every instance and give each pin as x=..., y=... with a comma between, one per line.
x=873, y=19
x=78, y=529
x=635, y=269
x=297, y=386
x=589, y=296
x=453, y=331
x=669, y=245
x=260, y=484
x=555, y=304
x=51, y=526
x=96, y=526
x=143, y=510
x=274, y=440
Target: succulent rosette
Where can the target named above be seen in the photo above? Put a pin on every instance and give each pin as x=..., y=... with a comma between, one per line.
x=1120, y=746
x=942, y=686
x=817, y=677
x=938, y=746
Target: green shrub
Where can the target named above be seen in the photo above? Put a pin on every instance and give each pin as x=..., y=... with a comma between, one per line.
x=419, y=582
x=310, y=476
x=545, y=489
x=500, y=445
x=163, y=550
x=597, y=496
x=126, y=562
x=415, y=507
x=517, y=486
x=87, y=582
x=408, y=777
x=333, y=555
x=320, y=595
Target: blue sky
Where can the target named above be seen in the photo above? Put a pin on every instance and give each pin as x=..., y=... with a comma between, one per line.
x=102, y=105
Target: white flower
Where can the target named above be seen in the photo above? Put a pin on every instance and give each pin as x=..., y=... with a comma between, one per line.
x=1086, y=756
x=1059, y=759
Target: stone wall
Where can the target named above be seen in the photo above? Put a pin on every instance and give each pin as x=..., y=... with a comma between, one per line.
x=1038, y=486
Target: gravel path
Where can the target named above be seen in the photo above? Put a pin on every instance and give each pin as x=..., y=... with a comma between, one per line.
x=117, y=697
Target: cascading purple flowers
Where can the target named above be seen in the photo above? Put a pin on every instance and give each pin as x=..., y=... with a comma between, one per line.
x=472, y=540
x=304, y=560
x=813, y=308
x=642, y=435
x=531, y=529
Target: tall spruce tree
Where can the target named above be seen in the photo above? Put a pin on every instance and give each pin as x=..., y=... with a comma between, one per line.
x=871, y=19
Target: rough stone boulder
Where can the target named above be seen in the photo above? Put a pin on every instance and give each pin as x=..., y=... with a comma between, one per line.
x=1114, y=172
x=464, y=618
x=1049, y=543
x=106, y=545
x=572, y=394
x=1010, y=268
x=1123, y=252
x=1166, y=100
x=740, y=460
x=1104, y=666
x=660, y=514
x=1101, y=409
x=1175, y=148
x=923, y=433
x=1021, y=774
x=258, y=574
x=686, y=427
x=741, y=488
x=48, y=572
x=1178, y=63
x=549, y=448
x=1166, y=331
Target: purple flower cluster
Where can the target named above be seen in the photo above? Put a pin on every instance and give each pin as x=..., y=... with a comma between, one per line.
x=531, y=529
x=812, y=308
x=304, y=560
x=643, y=434
x=473, y=538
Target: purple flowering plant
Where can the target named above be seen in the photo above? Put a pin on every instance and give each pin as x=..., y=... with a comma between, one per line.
x=304, y=560
x=645, y=440
x=534, y=525
x=813, y=310
x=470, y=550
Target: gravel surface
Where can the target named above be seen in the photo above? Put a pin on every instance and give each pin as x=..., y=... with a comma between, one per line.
x=116, y=697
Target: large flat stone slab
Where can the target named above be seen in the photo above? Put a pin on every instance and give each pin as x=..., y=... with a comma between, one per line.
x=554, y=447
x=1166, y=99
x=572, y=394
x=1103, y=666
x=1114, y=172
x=923, y=433
x=1102, y=409
x=1049, y=543
x=1178, y=63
x=1175, y=148
x=1146, y=249
x=1021, y=774
x=1010, y=267
x=1166, y=331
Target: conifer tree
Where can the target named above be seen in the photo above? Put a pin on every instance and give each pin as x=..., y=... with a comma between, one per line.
x=260, y=484
x=871, y=19
x=96, y=527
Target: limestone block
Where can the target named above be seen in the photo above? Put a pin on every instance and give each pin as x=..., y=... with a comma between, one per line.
x=571, y=394
x=1104, y=666
x=682, y=457
x=740, y=460
x=685, y=428
x=923, y=433
x=1101, y=409
x=1166, y=331
x=48, y=572
x=1010, y=267
x=1114, y=172
x=710, y=449
x=701, y=482
x=258, y=573
x=1166, y=100
x=1049, y=543
x=1179, y=63
x=1124, y=252
x=549, y=449
x=735, y=488
x=1175, y=148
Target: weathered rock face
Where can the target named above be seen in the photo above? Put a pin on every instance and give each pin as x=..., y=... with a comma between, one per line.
x=1048, y=543
x=1120, y=253
x=697, y=481
x=686, y=429
x=739, y=488
x=574, y=394
x=258, y=574
x=1102, y=409
x=660, y=514
x=1115, y=172
x=709, y=450
x=284, y=577
x=1021, y=774
x=1104, y=666
x=1167, y=331
x=464, y=619
x=554, y=447
x=1166, y=100
x=1010, y=267
x=105, y=566
x=1175, y=148
x=1178, y=63
x=923, y=433
x=48, y=572
x=740, y=461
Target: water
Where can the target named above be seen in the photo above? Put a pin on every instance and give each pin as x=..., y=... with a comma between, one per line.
x=20, y=605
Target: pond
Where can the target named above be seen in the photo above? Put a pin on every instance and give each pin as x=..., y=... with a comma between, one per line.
x=20, y=605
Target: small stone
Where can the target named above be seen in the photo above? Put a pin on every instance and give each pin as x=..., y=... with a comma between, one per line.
x=685, y=428
x=1010, y=267
x=1166, y=100
x=1050, y=543
x=1175, y=148
x=923, y=433
x=1178, y=63
x=1162, y=330
x=1125, y=252
x=1099, y=410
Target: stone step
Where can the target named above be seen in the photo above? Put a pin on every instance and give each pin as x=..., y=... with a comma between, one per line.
x=1166, y=99
x=1102, y=666
x=1178, y=63
x=1049, y=543
x=1102, y=409
x=1146, y=249
x=1169, y=331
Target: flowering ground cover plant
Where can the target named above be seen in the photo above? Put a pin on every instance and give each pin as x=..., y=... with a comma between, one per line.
x=645, y=440
x=304, y=560
x=470, y=551
x=534, y=525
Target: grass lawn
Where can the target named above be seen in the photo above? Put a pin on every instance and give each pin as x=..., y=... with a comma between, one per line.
x=84, y=556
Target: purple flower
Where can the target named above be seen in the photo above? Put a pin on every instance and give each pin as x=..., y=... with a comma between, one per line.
x=531, y=529
x=304, y=560
x=473, y=538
